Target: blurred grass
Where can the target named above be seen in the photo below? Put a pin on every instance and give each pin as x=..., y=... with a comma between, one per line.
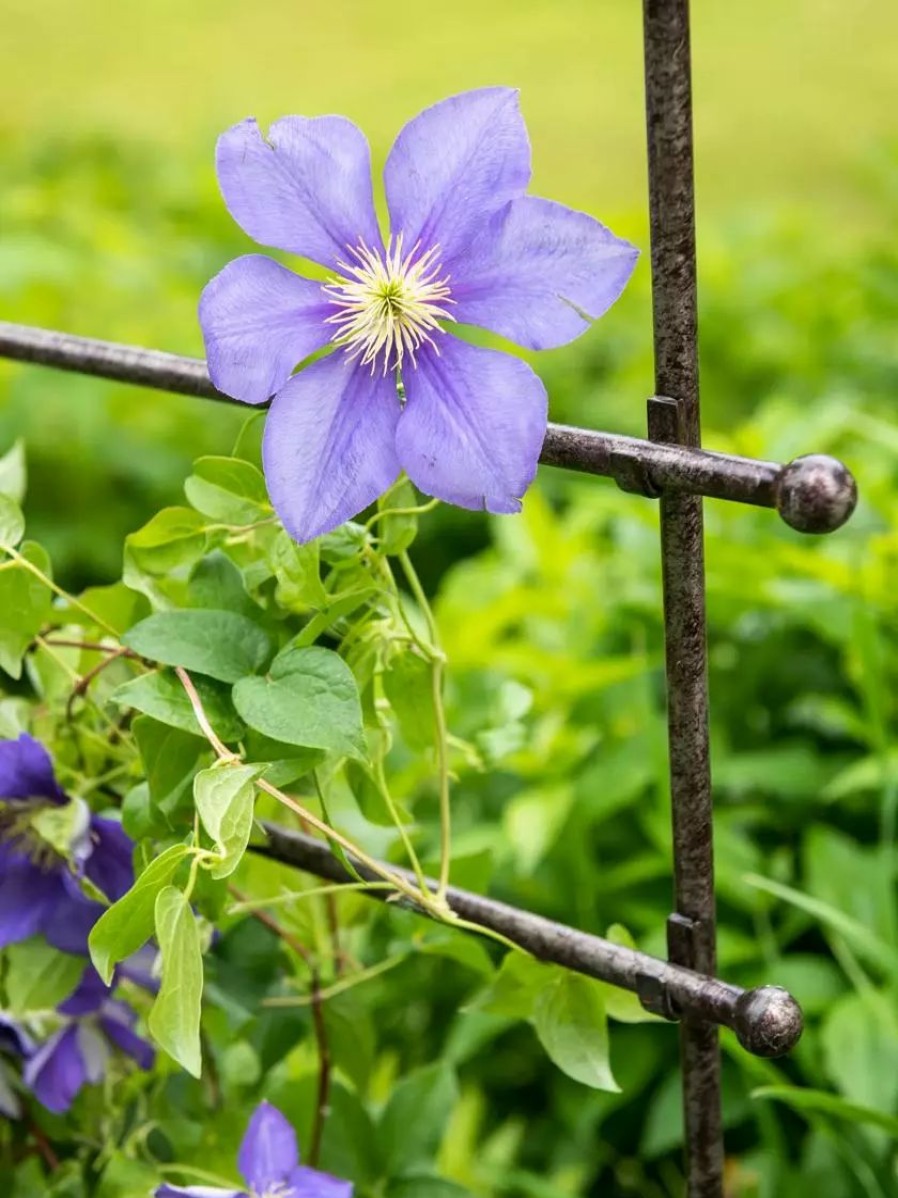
x=790, y=98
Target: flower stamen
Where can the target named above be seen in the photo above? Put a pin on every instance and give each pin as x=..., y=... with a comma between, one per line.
x=388, y=304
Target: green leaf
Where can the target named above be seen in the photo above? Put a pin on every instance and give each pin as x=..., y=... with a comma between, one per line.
x=38, y=976
x=12, y=522
x=425, y=1185
x=116, y=603
x=857, y=934
x=174, y=537
x=339, y=608
x=175, y=1016
x=408, y=685
x=396, y=532
x=220, y=644
x=215, y=582
x=284, y=763
x=25, y=603
x=623, y=1005
x=820, y=1102
x=162, y=696
x=352, y=1037
x=457, y=946
x=515, y=989
x=415, y=1118
x=297, y=569
x=140, y=817
x=859, y=1038
x=229, y=490
x=571, y=1023
x=344, y=543
x=225, y=798
x=13, y=474
x=370, y=797
x=532, y=821
x=169, y=759
x=125, y=1178
x=127, y=925
x=309, y=698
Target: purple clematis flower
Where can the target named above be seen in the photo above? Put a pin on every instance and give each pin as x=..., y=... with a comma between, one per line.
x=269, y=1163
x=79, y=1052
x=466, y=245
x=39, y=893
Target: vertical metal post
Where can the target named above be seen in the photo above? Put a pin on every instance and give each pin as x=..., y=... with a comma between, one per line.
x=674, y=417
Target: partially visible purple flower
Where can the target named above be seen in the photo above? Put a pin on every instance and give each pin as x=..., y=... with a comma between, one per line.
x=466, y=245
x=26, y=772
x=79, y=1052
x=269, y=1164
x=14, y=1042
x=39, y=893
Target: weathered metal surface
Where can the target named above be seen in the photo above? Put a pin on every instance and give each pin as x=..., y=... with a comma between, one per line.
x=676, y=420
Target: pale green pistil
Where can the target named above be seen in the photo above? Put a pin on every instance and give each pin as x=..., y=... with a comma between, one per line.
x=389, y=304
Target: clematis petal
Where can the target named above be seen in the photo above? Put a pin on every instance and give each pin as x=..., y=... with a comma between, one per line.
x=454, y=165
x=259, y=321
x=95, y=1050
x=57, y=1071
x=167, y=1191
x=13, y=1037
x=309, y=1183
x=115, y=1020
x=328, y=448
x=140, y=968
x=268, y=1153
x=110, y=865
x=29, y=896
x=26, y=771
x=540, y=273
x=305, y=188
x=68, y=925
x=472, y=427
x=88, y=996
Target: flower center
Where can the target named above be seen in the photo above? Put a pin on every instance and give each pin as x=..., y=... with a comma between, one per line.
x=17, y=830
x=389, y=305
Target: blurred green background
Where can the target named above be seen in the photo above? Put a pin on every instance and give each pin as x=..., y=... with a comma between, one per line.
x=110, y=223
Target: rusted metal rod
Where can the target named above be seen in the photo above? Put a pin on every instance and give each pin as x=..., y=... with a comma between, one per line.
x=676, y=421
x=766, y=1020
x=812, y=494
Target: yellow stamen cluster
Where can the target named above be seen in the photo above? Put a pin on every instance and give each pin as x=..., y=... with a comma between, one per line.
x=388, y=304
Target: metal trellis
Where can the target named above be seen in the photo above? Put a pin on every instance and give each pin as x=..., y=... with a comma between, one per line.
x=812, y=494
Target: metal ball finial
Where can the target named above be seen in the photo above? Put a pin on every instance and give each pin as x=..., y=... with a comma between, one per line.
x=816, y=493
x=768, y=1021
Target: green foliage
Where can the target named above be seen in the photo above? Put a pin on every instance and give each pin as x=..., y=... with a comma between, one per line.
x=175, y=1017
x=220, y=644
x=312, y=665
x=38, y=977
x=225, y=798
x=309, y=698
x=128, y=924
x=571, y=1025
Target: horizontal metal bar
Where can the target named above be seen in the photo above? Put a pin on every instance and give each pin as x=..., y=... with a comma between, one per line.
x=766, y=1020
x=813, y=494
